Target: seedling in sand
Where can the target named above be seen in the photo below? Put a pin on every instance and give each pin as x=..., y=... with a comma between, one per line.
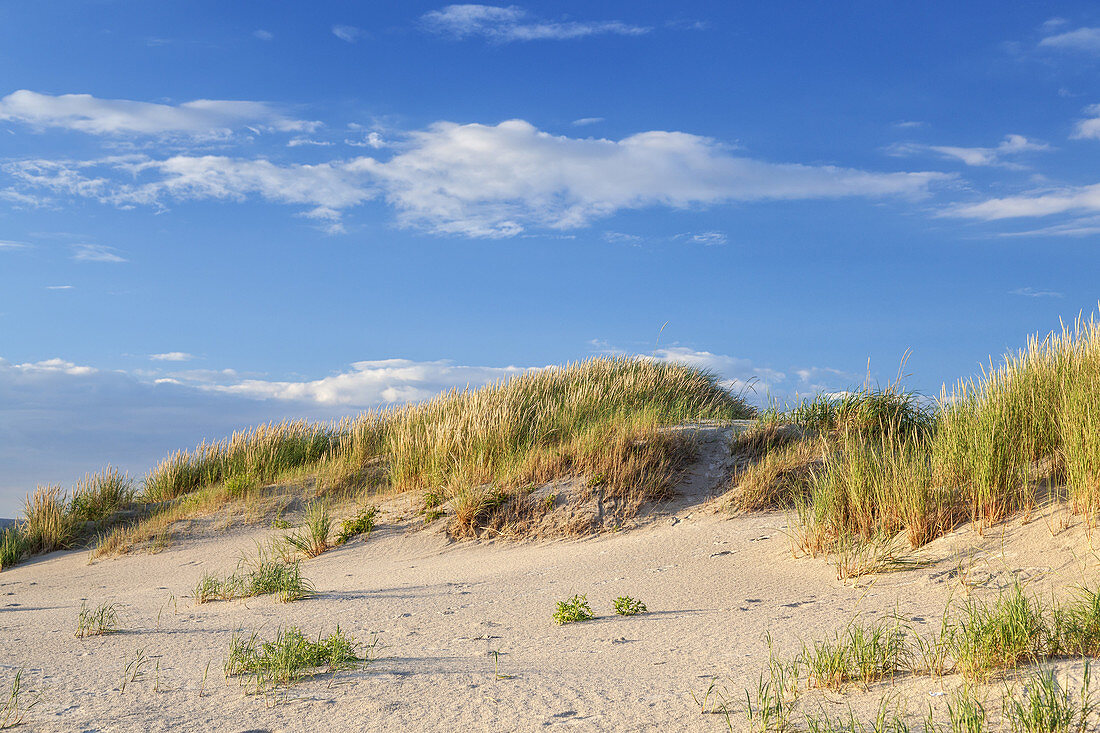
x=263, y=575
x=14, y=709
x=102, y=620
x=575, y=609
x=495, y=654
x=135, y=670
x=627, y=606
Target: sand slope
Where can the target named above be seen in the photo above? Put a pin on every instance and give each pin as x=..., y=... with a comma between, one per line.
x=714, y=586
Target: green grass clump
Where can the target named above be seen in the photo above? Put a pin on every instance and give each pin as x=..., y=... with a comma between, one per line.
x=993, y=637
x=361, y=524
x=573, y=610
x=264, y=666
x=265, y=574
x=311, y=539
x=867, y=412
x=627, y=606
x=102, y=619
x=861, y=653
x=240, y=485
x=1046, y=707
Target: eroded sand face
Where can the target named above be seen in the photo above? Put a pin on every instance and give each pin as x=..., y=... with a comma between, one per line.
x=714, y=586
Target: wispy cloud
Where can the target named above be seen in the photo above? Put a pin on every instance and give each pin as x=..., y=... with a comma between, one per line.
x=348, y=33
x=622, y=238
x=479, y=180
x=88, y=114
x=59, y=287
x=512, y=23
x=172, y=356
x=1011, y=145
x=1036, y=293
x=263, y=35
x=709, y=239
x=585, y=121
x=1043, y=203
x=1080, y=39
x=96, y=253
x=6, y=244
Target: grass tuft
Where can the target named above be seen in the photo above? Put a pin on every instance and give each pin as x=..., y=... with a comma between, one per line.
x=311, y=539
x=627, y=606
x=362, y=524
x=264, y=666
x=103, y=619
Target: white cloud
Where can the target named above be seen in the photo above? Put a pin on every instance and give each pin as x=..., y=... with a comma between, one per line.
x=622, y=238
x=497, y=180
x=583, y=121
x=172, y=356
x=512, y=23
x=49, y=366
x=1011, y=145
x=263, y=35
x=4, y=244
x=96, y=253
x=1045, y=203
x=1036, y=293
x=1080, y=39
x=348, y=33
x=1089, y=128
x=200, y=118
x=372, y=383
x=479, y=180
x=709, y=238
x=59, y=287
x=299, y=141
x=372, y=140
x=909, y=124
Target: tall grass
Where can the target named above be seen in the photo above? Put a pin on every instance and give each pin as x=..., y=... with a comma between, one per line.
x=990, y=448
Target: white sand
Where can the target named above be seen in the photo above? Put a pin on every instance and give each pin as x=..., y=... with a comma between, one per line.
x=713, y=586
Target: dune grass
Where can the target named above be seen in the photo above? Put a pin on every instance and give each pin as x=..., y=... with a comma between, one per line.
x=877, y=462
x=264, y=666
x=264, y=574
x=103, y=619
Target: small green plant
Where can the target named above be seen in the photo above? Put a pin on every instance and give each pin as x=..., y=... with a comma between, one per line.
x=861, y=653
x=361, y=524
x=16, y=707
x=1046, y=707
x=134, y=671
x=240, y=485
x=264, y=666
x=103, y=619
x=627, y=606
x=776, y=693
x=311, y=539
x=495, y=654
x=572, y=610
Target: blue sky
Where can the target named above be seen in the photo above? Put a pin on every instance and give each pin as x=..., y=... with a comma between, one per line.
x=216, y=214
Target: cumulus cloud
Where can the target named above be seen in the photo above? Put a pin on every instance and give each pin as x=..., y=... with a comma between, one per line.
x=479, y=180
x=512, y=23
x=1088, y=128
x=96, y=253
x=172, y=356
x=996, y=156
x=85, y=113
x=497, y=180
